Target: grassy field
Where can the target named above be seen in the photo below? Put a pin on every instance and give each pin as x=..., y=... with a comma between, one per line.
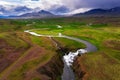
x=102, y=32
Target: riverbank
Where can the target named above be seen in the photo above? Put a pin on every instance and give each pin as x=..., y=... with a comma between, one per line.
x=103, y=32
x=68, y=74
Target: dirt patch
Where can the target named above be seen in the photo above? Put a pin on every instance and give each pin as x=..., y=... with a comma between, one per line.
x=8, y=54
x=32, y=53
x=113, y=44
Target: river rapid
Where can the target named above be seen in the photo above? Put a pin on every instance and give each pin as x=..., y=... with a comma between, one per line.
x=69, y=58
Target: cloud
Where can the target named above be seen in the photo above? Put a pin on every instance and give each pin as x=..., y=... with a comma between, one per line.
x=34, y=0
x=97, y=3
x=63, y=5
x=44, y=4
x=81, y=10
x=72, y=4
x=4, y=3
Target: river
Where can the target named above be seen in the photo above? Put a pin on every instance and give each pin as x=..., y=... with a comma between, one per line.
x=68, y=59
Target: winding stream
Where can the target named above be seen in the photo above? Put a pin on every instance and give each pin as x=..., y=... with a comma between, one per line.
x=68, y=59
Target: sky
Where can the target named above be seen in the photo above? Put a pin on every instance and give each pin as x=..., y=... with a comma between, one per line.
x=63, y=5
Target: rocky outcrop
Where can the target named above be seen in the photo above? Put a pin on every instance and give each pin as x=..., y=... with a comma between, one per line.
x=53, y=69
x=79, y=70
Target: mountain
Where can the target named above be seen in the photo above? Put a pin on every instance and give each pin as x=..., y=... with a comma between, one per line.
x=23, y=12
x=101, y=12
x=59, y=10
x=40, y=14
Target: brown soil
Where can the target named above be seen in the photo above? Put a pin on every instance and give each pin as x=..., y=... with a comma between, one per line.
x=32, y=53
x=113, y=44
x=52, y=70
x=79, y=69
x=8, y=54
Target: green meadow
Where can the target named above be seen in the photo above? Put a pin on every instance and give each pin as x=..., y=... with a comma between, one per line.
x=104, y=33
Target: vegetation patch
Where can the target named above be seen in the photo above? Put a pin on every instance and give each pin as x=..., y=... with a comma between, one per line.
x=114, y=44
x=102, y=32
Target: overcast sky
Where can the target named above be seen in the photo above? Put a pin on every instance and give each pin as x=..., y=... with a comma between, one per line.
x=67, y=5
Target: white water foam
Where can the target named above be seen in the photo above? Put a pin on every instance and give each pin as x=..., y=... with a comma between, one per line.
x=69, y=59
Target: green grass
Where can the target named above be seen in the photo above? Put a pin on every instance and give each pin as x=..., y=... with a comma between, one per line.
x=103, y=33
x=99, y=25
x=13, y=40
x=99, y=66
x=30, y=65
x=96, y=36
x=33, y=64
x=49, y=32
x=70, y=44
x=36, y=40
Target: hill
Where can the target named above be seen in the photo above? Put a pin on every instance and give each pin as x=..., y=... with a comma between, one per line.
x=40, y=14
x=101, y=12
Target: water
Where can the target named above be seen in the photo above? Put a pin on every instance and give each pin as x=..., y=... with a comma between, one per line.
x=68, y=73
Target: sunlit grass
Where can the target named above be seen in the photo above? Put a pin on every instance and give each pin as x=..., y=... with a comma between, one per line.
x=101, y=65
x=13, y=40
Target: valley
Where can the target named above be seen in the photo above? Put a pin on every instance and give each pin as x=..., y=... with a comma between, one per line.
x=27, y=57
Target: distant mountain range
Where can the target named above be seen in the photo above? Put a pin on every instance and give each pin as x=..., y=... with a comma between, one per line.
x=25, y=12
x=101, y=12
x=40, y=14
